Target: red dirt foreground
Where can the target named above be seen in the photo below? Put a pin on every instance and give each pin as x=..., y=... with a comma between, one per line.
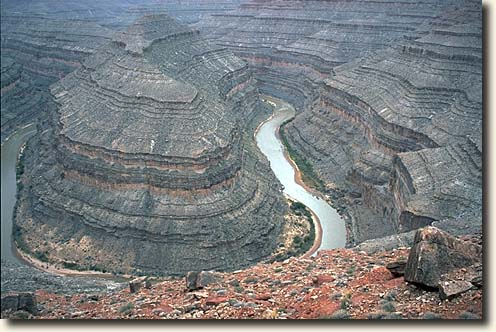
x=336, y=284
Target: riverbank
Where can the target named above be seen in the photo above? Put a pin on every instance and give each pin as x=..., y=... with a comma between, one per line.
x=11, y=149
x=268, y=143
x=318, y=236
x=56, y=270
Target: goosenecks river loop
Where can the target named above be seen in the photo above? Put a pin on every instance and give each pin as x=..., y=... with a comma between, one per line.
x=332, y=227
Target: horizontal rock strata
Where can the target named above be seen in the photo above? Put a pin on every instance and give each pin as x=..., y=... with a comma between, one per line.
x=43, y=41
x=146, y=161
x=390, y=102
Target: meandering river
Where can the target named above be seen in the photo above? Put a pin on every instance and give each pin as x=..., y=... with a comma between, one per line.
x=333, y=226
x=10, y=151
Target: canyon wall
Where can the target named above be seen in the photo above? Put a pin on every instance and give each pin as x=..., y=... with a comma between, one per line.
x=42, y=41
x=145, y=162
x=389, y=96
x=389, y=103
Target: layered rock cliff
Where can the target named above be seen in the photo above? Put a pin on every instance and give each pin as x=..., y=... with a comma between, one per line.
x=388, y=94
x=146, y=163
x=42, y=41
x=389, y=97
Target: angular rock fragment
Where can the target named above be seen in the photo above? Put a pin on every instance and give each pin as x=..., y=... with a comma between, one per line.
x=450, y=289
x=321, y=279
x=216, y=300
x=25, y=301
x=138, y=283
x=191, y=278
x=207, y=278
x=196, y=280
x=436, y=252
x=397, y=268
x=476, y=277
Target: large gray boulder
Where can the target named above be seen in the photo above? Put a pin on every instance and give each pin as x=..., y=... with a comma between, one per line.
x=19, y=301
x=138, y=283
x=435, y=253
x=196, y=280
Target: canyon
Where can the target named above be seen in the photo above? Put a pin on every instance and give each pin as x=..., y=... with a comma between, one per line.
x=145, y=161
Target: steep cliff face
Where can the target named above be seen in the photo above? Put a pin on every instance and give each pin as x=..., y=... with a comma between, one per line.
x=386, y=92
x=146, y=162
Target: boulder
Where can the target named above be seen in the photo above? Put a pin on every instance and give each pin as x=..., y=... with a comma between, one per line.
x=191, y=278
x=138, y=283
x=435, y=253
x=10, y=302
x=206, y=278
x=196, y=280
x=215, y=300
x=453, y=288
x=476, y=276
x=19, y=301
x=397, y=268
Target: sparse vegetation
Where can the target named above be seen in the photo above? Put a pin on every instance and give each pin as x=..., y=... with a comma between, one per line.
x=20, y=165
x=126, y=309
x=72, y=266
x=308, y=174
x=391, y=296
x=238, y=289
x=234, y=283
x=302, y=245
x=251, y=280
x=40, y=256
x=340, y=314
x=430, y=315
x=345, y=301
x=388, y=306
x=468, y=315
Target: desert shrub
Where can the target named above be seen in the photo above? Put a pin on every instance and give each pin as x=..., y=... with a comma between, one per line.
x=391, y=296
x=345, y=301
x=340, y=314
x=430, y=315
x=126, y=309
x=468, y=315
x=388, y=306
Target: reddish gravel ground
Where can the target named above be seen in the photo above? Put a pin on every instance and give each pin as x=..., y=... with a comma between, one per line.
x=335, y=284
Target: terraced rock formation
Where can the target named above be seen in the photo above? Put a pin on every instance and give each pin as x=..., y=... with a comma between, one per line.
x=37, y=52
x=146, y=161
x=390, y=101
x=42, y=41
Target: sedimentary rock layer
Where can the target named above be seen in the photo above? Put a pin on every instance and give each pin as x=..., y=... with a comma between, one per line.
x=46, y=40
x=146, y=161
x=38, y=51
x=389, y=96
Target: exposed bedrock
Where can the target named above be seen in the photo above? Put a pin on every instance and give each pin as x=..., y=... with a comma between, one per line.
x=42, y=41
x=37, y=51
x=145, y=161
x=389, y=97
